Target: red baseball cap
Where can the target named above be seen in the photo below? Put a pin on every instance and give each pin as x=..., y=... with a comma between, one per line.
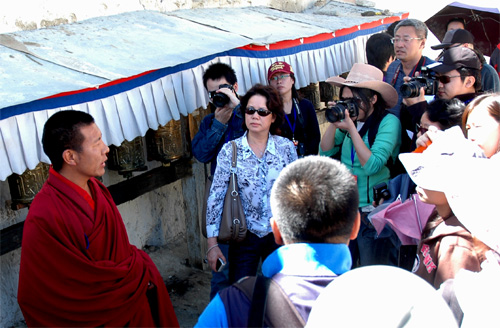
x=279, y=67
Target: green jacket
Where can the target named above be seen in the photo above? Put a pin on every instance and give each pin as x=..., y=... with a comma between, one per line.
x=385, y=146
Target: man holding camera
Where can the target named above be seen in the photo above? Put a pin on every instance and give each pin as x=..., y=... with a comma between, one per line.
x=456, y=75
x=217, y=128
x=225, y=124
x=409, y=42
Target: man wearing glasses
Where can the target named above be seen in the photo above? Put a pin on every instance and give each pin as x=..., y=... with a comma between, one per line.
x=217, y=128
x=458, y=76
x=409, y=42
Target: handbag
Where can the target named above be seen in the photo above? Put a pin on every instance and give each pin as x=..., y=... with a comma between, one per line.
x=233, y=224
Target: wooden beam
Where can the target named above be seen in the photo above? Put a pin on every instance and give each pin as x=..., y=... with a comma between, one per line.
x=122, y=192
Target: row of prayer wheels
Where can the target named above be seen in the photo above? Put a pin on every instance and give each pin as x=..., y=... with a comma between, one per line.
x=166, y=144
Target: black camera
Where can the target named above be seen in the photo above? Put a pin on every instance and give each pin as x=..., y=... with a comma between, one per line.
x=337, y=112
x=427, y=79
x=220, y=99
x=380, y=191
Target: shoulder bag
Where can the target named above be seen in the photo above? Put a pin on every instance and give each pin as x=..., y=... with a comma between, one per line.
x=233, y=224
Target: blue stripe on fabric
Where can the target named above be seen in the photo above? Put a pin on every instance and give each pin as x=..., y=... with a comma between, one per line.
x=100, y=93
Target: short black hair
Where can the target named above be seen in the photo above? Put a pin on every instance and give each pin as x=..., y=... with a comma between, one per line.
x=446, y=112
x=274, y=103
x=217, y=71
x=455, y=19
x=464, y=72
x=379, y=49
x=61, y=132
x=315, y=198
x=391, y=28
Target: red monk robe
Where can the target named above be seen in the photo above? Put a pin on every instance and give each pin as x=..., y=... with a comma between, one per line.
x=78, y=267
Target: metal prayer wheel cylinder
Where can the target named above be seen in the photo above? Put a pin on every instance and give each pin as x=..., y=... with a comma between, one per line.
x=128, y=157
x=24, y=187
x=311, y=92
x=168, y=142
x=327, y=92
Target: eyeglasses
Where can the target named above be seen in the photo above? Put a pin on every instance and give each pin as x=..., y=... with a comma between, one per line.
x=279, y=77
x=421, y=129
x=445, y=79
x=404, y=40
x=261, y=111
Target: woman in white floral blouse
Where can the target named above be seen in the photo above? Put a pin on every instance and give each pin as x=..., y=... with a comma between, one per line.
x=261, y=156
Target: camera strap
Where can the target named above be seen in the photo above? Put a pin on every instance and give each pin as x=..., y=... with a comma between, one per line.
x=417, y=68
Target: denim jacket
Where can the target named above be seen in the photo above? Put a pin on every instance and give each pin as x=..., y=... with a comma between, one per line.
x=212, y=135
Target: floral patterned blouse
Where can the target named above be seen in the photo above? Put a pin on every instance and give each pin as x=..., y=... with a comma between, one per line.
x=255, y=176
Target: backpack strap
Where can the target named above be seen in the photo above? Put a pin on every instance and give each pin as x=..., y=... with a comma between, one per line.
x=269, y=304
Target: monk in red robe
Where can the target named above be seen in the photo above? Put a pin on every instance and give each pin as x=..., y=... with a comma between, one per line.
x=78, y=267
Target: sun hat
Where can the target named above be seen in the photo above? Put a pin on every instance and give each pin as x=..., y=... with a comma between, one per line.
x=388, y=296
x=279, y=67
x=455, y=36
x=474, y=199
x=431, y=169
x=470, y=181
x=455, y=58
x=368, y=77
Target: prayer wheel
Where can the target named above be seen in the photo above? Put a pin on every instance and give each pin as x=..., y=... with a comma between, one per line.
x=168, y=142
x=128, y=157
x=24, y=187
x=311, y=92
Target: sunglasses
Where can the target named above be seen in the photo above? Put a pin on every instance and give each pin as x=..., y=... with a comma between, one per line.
x=421, y=129
x=261, y=111
x=445, y=79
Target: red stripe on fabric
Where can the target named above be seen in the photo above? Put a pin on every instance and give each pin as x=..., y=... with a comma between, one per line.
x=323, y=36
x=108, y=84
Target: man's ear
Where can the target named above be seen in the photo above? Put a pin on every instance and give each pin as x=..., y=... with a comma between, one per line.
x=69, y=156
x=355, y=227
x=235, y=87
x=422, y=44
x=276, y=232
x=469, y=81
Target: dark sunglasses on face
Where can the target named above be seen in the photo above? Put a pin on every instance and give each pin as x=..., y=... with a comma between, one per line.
x=260, y=111
x=421, y=129
x=445, y=79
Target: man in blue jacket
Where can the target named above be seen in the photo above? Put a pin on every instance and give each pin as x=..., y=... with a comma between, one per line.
x=314, y=203
x=217, y=128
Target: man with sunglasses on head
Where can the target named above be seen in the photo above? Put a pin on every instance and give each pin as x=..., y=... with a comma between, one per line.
x=223, y=125
x=458, y=75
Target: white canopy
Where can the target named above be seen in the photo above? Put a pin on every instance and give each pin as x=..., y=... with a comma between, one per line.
x=139, y=70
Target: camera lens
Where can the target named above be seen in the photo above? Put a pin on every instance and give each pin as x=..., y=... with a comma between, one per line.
x=410, y=89
x=335, y=113
x=220, y=100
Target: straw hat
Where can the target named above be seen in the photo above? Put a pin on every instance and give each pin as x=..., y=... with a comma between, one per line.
x=368, y=77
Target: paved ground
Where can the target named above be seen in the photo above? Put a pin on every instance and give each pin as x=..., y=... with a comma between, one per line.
x=189, y=288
